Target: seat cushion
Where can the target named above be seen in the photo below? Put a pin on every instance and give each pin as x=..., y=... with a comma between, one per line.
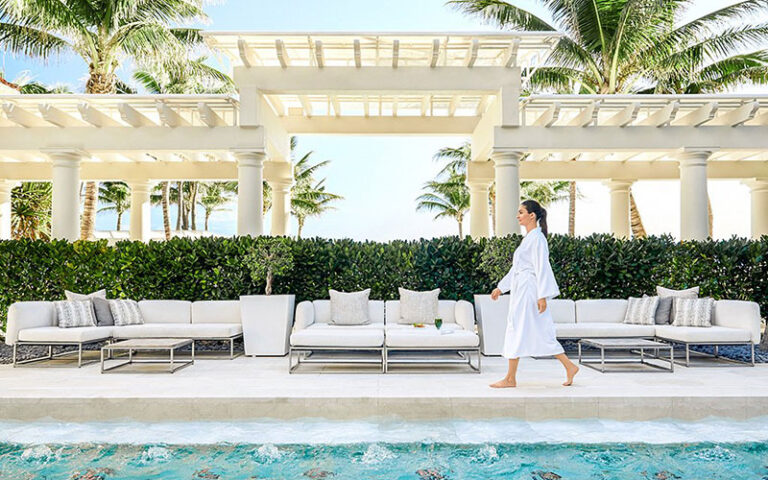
x=216, y=311
x=325, y=335
x=429, y=337
x=56, y=334
x=703, y=335
x=603, y=330
x=179, y=330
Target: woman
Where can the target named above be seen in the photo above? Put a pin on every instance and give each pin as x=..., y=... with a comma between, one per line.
x=530, y=281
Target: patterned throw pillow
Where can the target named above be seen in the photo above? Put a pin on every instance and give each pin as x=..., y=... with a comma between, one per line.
x=125, y=312
x=693, y=312
x=349, y=308
x=74, y=314
x=666, y=311
x=418, y=307
x=641, y=311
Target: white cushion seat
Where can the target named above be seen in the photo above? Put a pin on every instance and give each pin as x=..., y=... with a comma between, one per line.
x=180, y=330
x=703, y=334
x=603, y=330
x=399, y=335
x=326, y=335
x=56, y=334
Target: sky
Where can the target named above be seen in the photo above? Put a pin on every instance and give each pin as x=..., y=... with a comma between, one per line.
x=380, y=177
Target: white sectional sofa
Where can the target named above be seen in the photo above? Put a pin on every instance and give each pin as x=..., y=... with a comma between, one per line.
x=34, y=323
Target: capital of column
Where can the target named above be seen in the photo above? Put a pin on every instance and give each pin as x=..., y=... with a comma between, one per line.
x=249, y=157
x=694, y=156
x=618, y=185
x=478, y=186
x=507, y=158
x=68, y=158
x=282, y=185
x=141, y=186
x=757, y=185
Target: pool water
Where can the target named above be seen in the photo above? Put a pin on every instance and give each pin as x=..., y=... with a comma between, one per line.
x=391, y=461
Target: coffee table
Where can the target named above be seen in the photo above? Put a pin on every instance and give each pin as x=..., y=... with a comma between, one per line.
x=148, y=344
x=636, y=347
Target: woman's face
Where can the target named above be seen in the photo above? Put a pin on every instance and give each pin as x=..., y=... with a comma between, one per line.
x=525, y=218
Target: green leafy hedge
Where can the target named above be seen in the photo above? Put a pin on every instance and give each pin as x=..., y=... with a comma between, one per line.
x=598, y=266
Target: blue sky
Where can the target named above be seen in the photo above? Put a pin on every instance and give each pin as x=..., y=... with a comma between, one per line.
x=380, y=177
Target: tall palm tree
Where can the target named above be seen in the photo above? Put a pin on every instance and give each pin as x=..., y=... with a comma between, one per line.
x=116, y=197
x=165, y=201
x=31, y=210
x=213, y=198
x=449, y=198
x=309, y=197
x=185, y=76
x=103, y=33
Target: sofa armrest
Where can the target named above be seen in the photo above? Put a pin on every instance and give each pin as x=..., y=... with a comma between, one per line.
x=739, y=314
x=465, y=315
x=23, y=315
x=305, y=315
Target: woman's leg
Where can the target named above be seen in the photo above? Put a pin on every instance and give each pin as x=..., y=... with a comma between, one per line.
x=570, y=368
x=509, y=380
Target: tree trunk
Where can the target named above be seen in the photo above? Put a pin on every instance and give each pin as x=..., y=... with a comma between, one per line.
x=572, y=209
x=460, y=232
x=638, y=231
x=207, y=216
x=100, y=83
x=268, y=288
x=179, y=204
x=89, y=210
x=492, y=199
x=193, y=204
x=709, y=213
x=166, y=216
x=301, y=225
x=119, y=220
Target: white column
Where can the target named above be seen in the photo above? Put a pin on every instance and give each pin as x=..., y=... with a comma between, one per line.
x=141, y=210
x=694, y=218
x=5, y=209
x=507, y=166
x=759, y=195
x=478, y=209
x=65, y=208
x=281, y=206
x=619, y=206
x=250, y=200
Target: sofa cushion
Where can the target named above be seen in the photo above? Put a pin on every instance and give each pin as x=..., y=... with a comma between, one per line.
x=738, y=314
x=72, y=296
x=325, y=335
x=126, y=312
x=692, y=312
x=703, y=335
x=601, y=311
x=179, y=330
x=418, y=307
x=666, y=311
x=429, y=337
x=216, y=311
x=641, y=311
x=56, y=334
x=74, y=314
x=23, y=315
x=562, y=310
x=104, y=316
x=603, y=330
x=322, y=311
x=349, y=308
x=166, y=311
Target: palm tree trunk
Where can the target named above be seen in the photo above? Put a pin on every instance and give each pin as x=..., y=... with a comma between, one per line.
x=89, y=210
x=193, y=204
x=492, y=198
x=458, y=220
x=638, y=231
x=301, y=225
x=207, y=216
x=572, y=209
x=179, y=204
x=709, y=213
x=166, y=216
x=119, y=220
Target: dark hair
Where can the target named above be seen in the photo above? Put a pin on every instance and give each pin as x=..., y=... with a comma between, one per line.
x=532, y=206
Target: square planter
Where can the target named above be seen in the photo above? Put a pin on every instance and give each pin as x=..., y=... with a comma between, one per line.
x=491, y=322
x=267, y=322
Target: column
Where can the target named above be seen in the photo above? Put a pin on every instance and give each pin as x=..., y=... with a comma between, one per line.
x=250, y=200
x=478, y=209
x=759, y=199
x=281, y=206
x=694, y=218
x=619, y=207
x=507, y=166
x=141, y=210
x=65, y=208
x=5, y=209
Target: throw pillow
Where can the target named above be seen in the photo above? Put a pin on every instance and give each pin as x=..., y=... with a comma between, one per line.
x=666, y=311
x=72, y=296
x=641, y=311
x=74, y=314
x=125, y=312
x=349, y=308
x=418, y=307
x=103, y=313
x=693, y=312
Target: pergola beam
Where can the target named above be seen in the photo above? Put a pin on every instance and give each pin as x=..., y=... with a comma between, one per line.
x=306, y=105
x=662, y=117
x=471, y=58
x=247, y=54
x=623, y=118
x=319, y=57
x=22, y=117
x=548, y=117
x=58, y=117
x=282, y=54
x=510, y=56
x=435, y=53
x=737, y=116
x=358, y=55
x=169, y=116
x=587, y=117
x=395, y=53
x=209, y=116
x=698, y=117
x=96, y=117
x=133, y=117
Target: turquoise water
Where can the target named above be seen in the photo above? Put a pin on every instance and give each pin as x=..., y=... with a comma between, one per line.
x=391, y=461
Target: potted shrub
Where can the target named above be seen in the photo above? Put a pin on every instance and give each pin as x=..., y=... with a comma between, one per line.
x=267, y=319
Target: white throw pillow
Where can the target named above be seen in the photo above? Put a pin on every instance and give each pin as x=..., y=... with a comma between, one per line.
x=693, y=312
x=74, y=314
x=126, y=312
x=641, y=311
x=418, y=307
x=72, y=296
x=349, y=308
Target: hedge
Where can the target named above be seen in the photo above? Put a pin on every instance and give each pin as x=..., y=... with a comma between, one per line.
x=598, y=266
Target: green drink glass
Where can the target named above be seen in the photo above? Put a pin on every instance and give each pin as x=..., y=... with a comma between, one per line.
x=438, y=323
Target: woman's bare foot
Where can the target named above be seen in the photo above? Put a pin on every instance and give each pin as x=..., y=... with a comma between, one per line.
x=504, y=383
x=571, y=372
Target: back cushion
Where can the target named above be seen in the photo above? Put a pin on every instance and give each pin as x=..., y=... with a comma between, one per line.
x=323, y=311
x=216, y=311
x=738, y=314
x=445, y=310
x=562, y=310
x=23, y=315
x=601, y=311
x=165, y=311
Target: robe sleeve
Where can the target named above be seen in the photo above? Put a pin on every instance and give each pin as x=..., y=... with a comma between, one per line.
x=506, y=283
x=546, y=286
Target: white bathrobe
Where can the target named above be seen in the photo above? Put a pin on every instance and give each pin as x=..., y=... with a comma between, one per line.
x=530, y=333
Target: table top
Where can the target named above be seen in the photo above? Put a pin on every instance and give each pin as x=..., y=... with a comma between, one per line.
x=622, y=342
x=149, y=343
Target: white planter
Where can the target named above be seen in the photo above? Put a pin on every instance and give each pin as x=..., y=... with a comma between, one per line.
x=492, y=322
x=267, y=322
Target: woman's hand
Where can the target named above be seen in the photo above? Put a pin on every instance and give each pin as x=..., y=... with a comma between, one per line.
x=542, y=304
x=495, y=294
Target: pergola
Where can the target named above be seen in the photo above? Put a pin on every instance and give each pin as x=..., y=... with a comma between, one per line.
x=385, y=84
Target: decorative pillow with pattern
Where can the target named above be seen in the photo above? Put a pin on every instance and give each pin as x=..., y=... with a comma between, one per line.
x=641, y=311
x=350, y=308
x=74, y=314
x=125, y=312
x=418, y=307
x=693, y=312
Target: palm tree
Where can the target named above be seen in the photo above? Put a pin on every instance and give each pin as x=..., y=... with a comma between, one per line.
x=31, y=210
x=103, y=33
x=449, y=198
x=214, y=196
x=635, y=46
x=192, y=76
x=309, y=197
x=164, y=201
x=116, y=196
